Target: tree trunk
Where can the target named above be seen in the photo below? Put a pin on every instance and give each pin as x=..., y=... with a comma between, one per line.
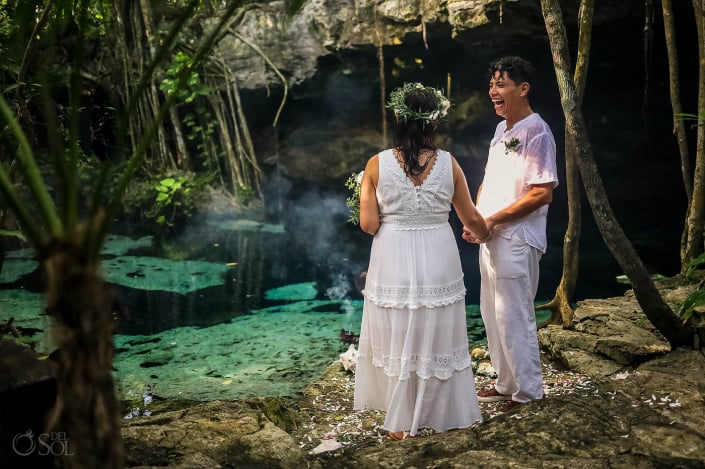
x=561, y=309
x=696, y=213
x=86, y=407
x=678, y=123
x=649, y=298
x=231, y=148
x=248, y=158
x=134, y=49
x=674, y=81
x=161, y=147
x=382, y=80
x=78, y=299
x=239, y=159
x=183, y=160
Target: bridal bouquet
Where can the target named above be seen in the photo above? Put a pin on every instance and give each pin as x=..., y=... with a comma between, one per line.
x=353, y=200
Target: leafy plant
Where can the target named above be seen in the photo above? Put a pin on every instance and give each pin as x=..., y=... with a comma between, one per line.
x=168, y=187
x=694, y=300
x=245, y=194
x=692, y=117
x=13, y=233
x=693, y=265
x=200, y=125
x=68, y=240
x=697, y=298
x=182, y=79
x=353, y=201
x=172, y=194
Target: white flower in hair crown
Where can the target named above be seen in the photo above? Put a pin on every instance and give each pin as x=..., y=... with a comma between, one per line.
x=397, y=103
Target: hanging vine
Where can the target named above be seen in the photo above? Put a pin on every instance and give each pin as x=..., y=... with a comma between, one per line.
x=382, y=79
x=422, y=6
x=207, y=128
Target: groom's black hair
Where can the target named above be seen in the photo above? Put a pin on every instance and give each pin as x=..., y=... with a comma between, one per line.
x=519, y=70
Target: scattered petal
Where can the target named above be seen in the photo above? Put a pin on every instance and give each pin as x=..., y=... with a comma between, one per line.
x=327, y=446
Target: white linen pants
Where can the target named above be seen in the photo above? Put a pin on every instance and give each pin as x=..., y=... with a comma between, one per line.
x=509, y=270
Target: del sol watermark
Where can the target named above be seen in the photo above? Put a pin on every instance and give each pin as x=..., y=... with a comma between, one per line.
x=44, y=444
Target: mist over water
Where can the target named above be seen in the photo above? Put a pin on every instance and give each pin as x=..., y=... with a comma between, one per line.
x=341, y=290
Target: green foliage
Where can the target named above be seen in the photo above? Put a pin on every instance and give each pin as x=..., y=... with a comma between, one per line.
x=14, y=234
x=353, y=201
x=245, y=194
x=697, y=298
x=74, y=27
x=693, y=265
x=692, y=117
x=167, y=188
x=200, y=125
x=195, y=127
x=694, y=300
x=169, y=199
x=294, y=6
x=397, y=103
x=7, y=26
x=184, y=83
x=511, y=145
x=99, y=16
x=172, y=196
x=182, y=80
x=642, y=320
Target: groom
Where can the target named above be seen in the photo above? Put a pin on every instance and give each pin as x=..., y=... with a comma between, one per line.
x=520, y=176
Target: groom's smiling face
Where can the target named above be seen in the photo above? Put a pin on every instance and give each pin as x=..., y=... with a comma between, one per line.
x=505, y=93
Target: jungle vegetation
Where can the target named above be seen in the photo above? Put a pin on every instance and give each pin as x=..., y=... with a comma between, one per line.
x=89, y=131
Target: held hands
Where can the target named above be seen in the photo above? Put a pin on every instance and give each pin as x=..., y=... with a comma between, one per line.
x=471, y=237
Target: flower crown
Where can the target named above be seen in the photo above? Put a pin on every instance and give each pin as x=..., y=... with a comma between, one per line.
x=397, y=102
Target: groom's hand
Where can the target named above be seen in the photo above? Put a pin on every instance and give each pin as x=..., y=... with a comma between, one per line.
x=468, y=235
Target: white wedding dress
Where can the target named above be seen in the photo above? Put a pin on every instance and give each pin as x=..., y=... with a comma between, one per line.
x=413, y=358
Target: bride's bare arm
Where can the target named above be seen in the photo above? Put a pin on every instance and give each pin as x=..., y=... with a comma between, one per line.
x=465, y=208
x=369, y=209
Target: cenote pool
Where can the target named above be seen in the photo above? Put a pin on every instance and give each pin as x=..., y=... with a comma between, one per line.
x=231, y=308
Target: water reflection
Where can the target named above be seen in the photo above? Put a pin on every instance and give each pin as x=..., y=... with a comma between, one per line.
x=232, y=308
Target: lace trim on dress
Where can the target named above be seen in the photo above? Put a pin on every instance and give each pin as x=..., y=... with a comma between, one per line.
x=415, y=297
x=421, y=196
x=434, y=366
x=415, y=221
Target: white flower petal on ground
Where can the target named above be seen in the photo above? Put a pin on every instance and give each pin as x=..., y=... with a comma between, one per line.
x=327, y=446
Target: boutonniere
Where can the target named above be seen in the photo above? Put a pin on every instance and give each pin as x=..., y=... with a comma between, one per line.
x=511, y=145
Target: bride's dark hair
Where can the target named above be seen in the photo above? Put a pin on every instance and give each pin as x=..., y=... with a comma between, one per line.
x=414, y=135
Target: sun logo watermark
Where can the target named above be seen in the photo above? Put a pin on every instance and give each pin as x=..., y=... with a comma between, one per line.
x=45, y=444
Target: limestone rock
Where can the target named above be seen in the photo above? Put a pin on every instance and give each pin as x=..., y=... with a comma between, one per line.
x=647, y=413
x=269, y=447
x=20, y=366
x=227, y=434
x=296, y=43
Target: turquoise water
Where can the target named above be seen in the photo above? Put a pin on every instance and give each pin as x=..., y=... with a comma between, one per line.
x=204, y=327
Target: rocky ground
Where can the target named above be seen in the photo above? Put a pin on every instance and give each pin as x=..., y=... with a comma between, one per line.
x=616, y=396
